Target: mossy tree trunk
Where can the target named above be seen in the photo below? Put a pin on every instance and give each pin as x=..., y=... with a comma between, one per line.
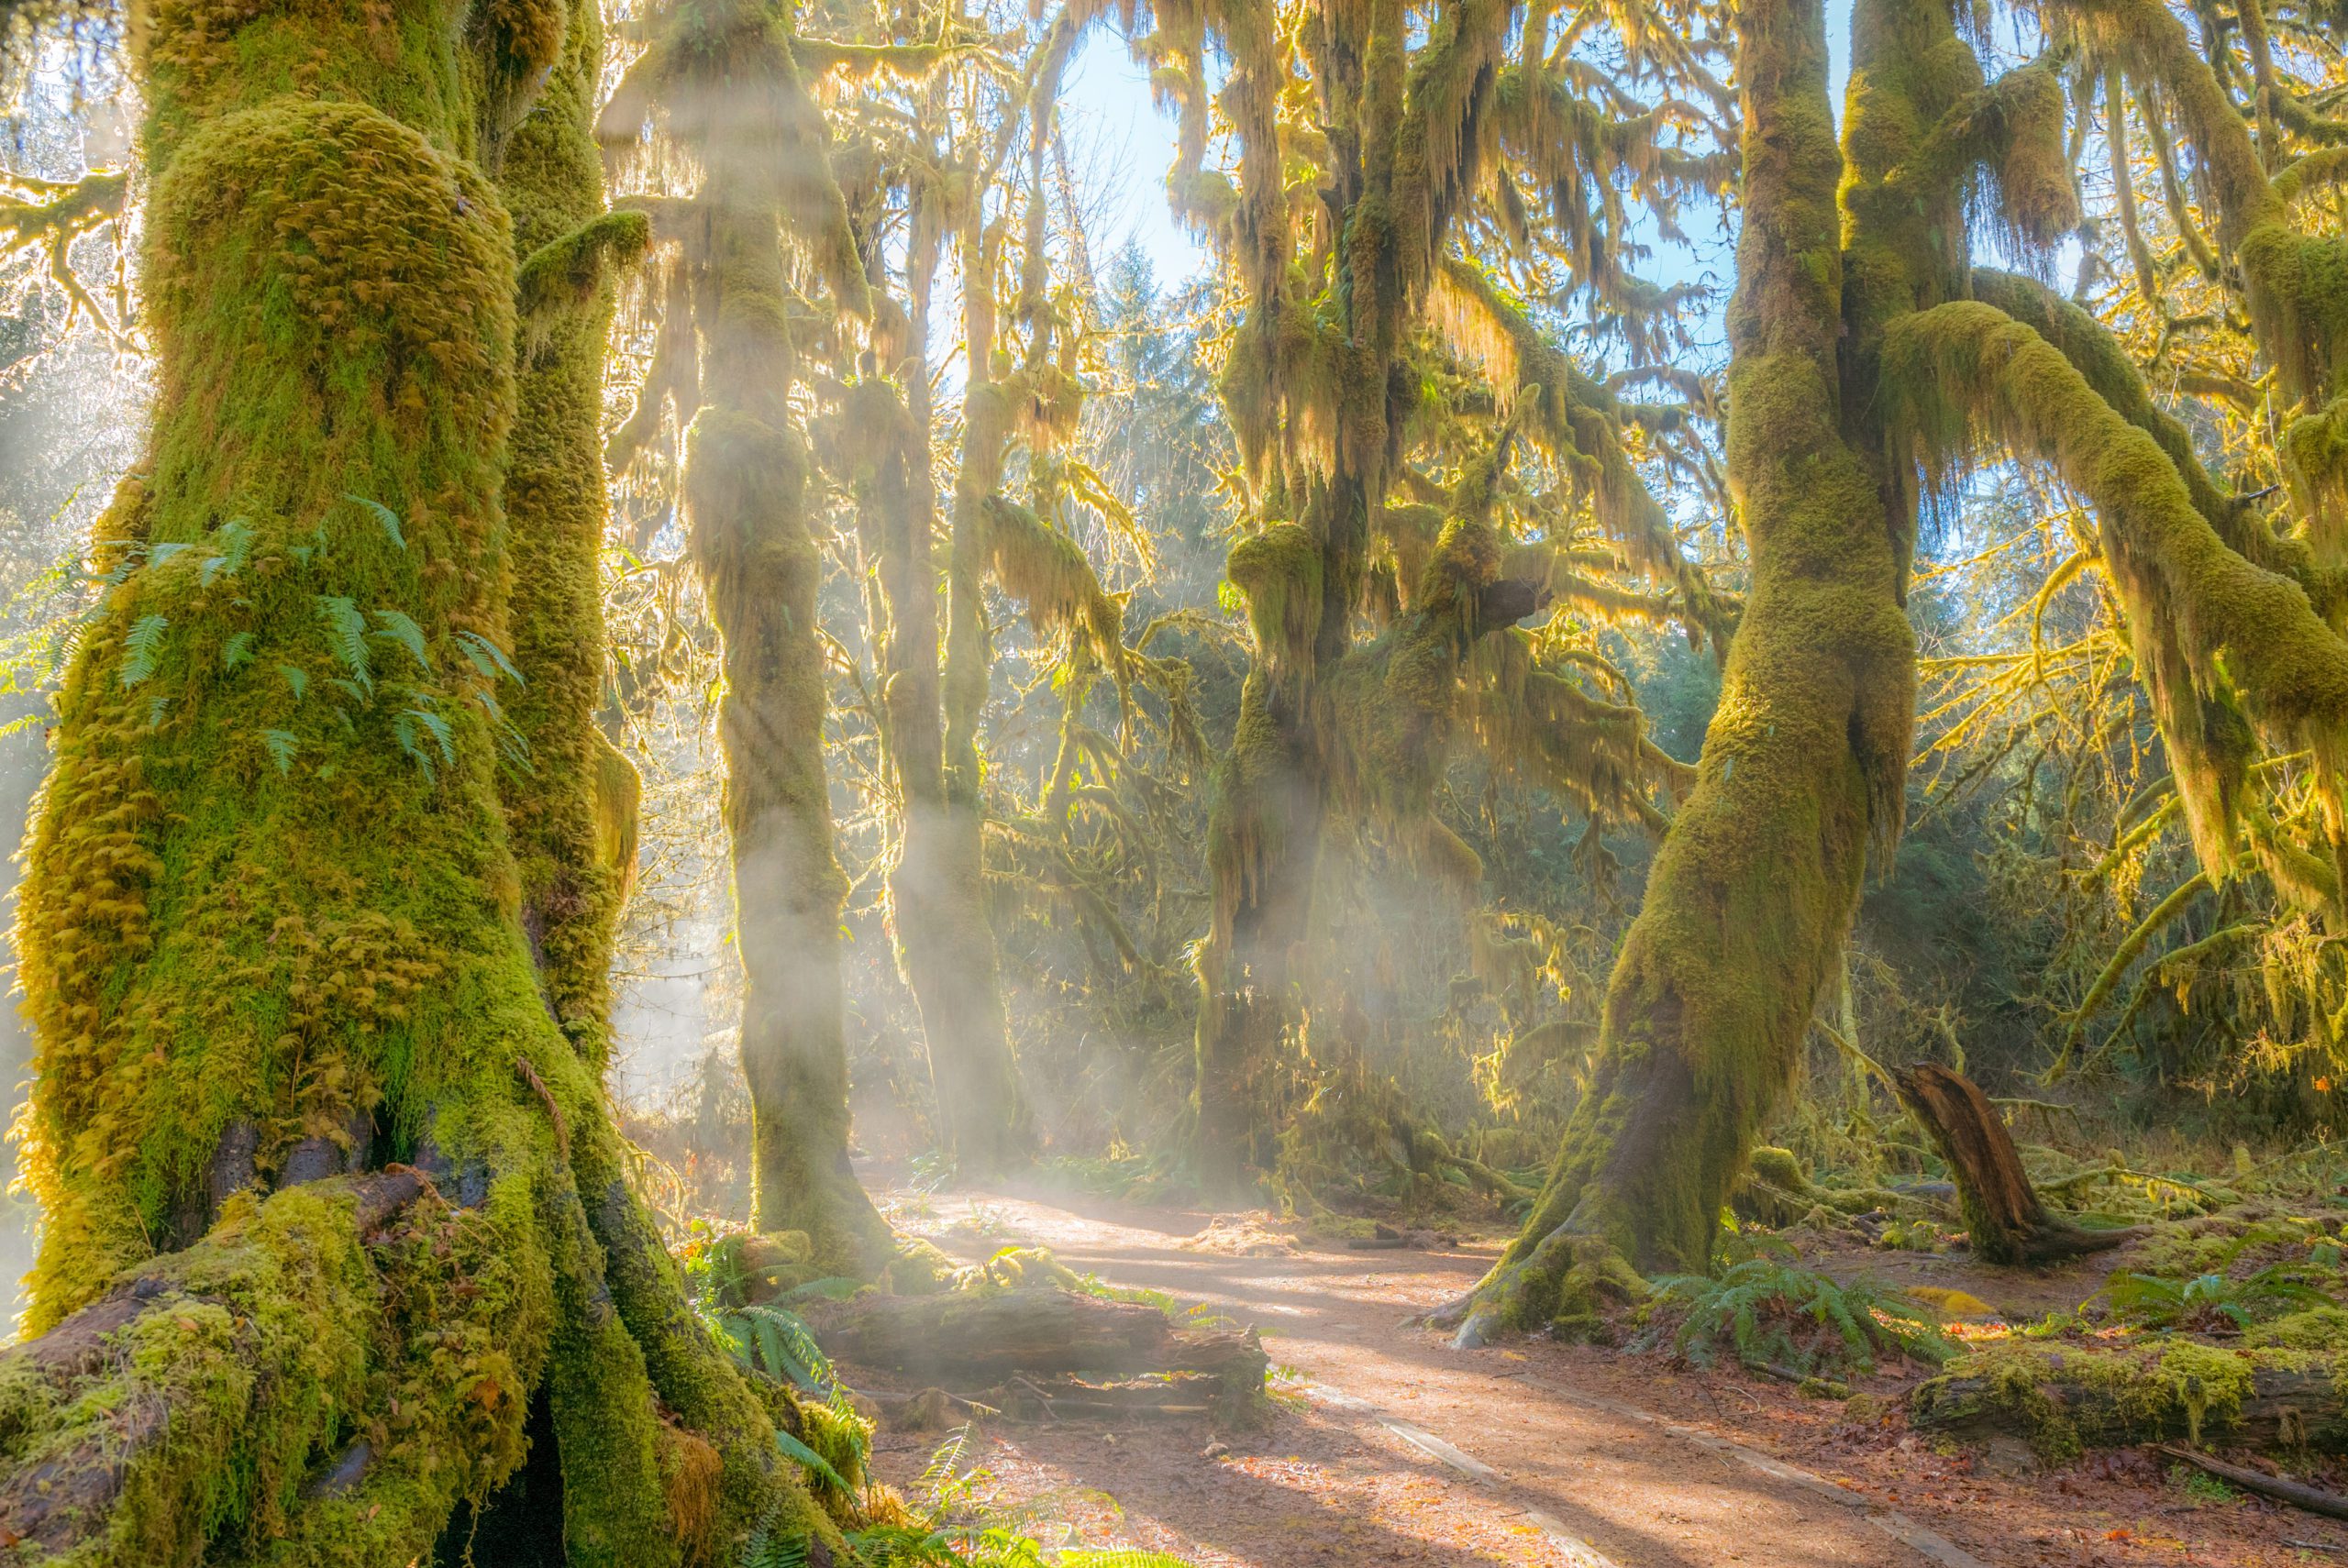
x=1803, y=766
x=274, y=914
x=1805, y=763
x=730, y=91
x=1302, y=578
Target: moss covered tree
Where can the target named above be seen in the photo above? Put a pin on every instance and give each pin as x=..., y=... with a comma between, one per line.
x=332, y=1192
x=723, y=81
x=928, y=157
x=1805, y=761
x=1355, y=310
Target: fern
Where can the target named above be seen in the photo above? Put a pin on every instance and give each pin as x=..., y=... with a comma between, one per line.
x=807, y=1459
x=141, y=647
x=384, y=515
x=779, y=1343
x=488, y=657
x=398, y=627
x=945, y=1459
x=2154, y=1302
x=347, y=635
x=411, y=726
x=1770, y=1313
x=297, y=677
x=905, y=1546
x=765, y=1548
x=281, y=745
x=235, y=538
x=237, y=651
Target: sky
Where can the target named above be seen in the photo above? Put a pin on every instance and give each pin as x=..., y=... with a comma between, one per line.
x=1126, y=144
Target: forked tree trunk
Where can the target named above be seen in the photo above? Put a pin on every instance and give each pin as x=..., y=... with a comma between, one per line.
x=272, y=922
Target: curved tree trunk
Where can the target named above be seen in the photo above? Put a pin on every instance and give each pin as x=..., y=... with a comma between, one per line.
x=274, y=917
x=1754, y=890
x=2005, y=1221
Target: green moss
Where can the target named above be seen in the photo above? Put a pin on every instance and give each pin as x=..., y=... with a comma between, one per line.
x=2322, y=1329
x=2064, y=1399
x=2216, y=636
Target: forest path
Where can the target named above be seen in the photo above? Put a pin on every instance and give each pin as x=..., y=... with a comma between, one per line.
x=1401, y=1449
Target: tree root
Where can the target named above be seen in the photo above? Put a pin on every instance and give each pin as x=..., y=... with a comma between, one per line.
x=336, y=1370
x=1566, y=1282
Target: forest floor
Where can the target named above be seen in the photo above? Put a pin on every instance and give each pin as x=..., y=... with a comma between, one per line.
x=1386, y=1446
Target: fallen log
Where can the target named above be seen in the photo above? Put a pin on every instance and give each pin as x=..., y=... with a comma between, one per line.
x=2314, y=1499
x=2005, y=1219
x=2062, y=1399
x=979, y=1339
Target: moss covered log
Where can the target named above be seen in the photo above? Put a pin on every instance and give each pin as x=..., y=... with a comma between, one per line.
x=275, y=914
x=2064, y=1399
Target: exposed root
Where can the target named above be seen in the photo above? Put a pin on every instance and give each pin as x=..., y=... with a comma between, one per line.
x=1566, y=1282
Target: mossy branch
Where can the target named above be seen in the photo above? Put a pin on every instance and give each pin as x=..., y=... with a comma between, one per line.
x=2206, y=621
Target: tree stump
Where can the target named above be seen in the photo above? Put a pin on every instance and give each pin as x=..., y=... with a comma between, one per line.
x=2005, y=1218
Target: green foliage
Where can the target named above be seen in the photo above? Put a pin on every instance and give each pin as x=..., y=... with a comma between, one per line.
x=140, y=647
x=1773, y=1313
x=2207, y=1299
x=807, y=1459
x=778, y=1344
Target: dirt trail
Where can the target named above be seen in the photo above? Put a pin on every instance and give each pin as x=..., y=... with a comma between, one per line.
x=1403, y=1451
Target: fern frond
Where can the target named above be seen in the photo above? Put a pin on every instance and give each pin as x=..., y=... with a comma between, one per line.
x=945, y=1459
x=347, y=635
x=297, y=677
x=234, y=541
x=807, y=1459
x=398, y=626
x=141, y=647
x=404, y=730
x=488, y=657
x=236, y=650
x=281, y=745
x=384, y=515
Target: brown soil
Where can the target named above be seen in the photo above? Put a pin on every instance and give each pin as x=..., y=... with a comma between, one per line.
x=1395, y=1448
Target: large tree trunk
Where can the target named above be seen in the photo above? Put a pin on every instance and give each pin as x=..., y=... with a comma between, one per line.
x=745, y=495
x=1754, y=888
x=272, y=922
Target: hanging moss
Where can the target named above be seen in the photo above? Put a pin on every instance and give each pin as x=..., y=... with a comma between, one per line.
x=2195, y=607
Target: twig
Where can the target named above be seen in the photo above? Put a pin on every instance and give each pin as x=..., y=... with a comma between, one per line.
x=561, y=1129
x=2313, y=1500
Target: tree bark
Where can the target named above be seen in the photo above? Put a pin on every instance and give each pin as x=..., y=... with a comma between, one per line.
x=2005, y=1221
x=274, y=915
